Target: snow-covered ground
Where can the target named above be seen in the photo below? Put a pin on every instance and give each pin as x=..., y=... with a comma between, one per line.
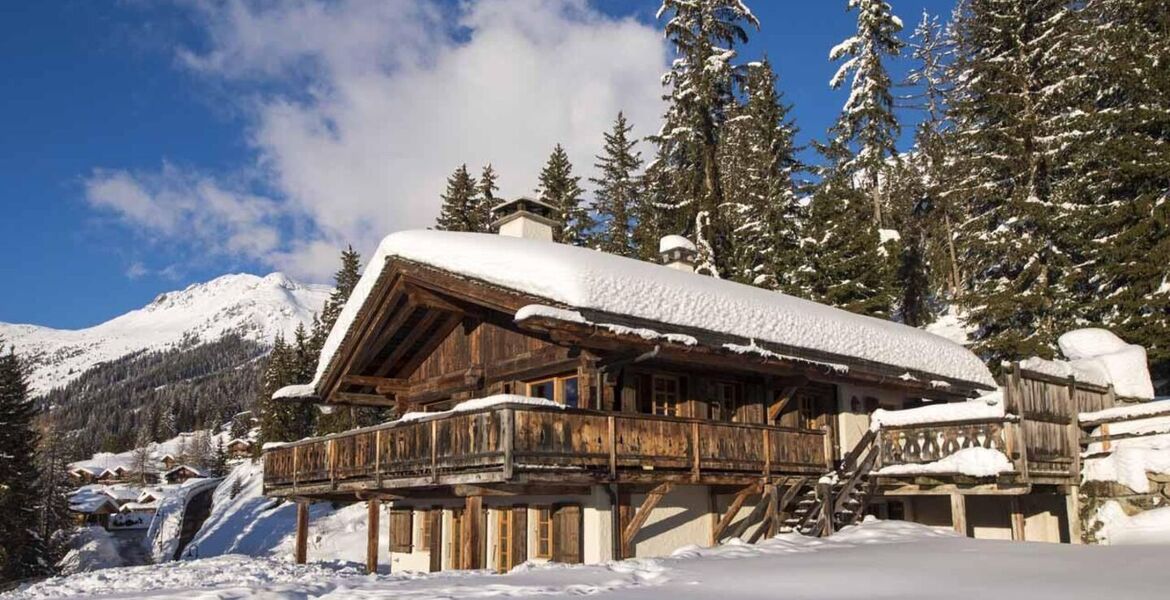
x=874, y=560
x=255, y=307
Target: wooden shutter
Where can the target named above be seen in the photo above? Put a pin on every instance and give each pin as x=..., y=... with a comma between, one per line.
x=519, y=534
x=400, y=529
x=567, y=533
x=436, y=516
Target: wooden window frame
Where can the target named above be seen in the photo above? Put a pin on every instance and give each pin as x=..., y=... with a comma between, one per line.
x=543, y=527
x=732, y=407
x=558, y=383
x=669, y=408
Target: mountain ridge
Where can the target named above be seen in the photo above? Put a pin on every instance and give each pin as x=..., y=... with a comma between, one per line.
x=254, y=307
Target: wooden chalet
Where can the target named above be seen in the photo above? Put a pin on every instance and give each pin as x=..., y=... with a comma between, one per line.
x=663, y=427
x=239, y=448
x=182, y=473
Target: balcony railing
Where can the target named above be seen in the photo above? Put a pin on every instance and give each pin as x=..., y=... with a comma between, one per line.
x=504, y=441
x=929, y=442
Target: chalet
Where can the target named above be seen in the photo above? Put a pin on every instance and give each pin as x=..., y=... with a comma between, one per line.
x=182, y=473
x=116, y=474
x=239, y=448
x=558, y=403
x=91, y=507
x=83, y=475
x=169, y=461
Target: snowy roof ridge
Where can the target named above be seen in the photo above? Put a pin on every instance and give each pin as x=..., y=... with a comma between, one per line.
x=581, y=278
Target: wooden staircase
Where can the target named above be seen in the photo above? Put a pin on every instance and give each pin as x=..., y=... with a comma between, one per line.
x=841, y=496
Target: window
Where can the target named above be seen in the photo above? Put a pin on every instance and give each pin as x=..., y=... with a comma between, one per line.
x=664, y=396
x=544, y=533
x=562, y=390
x=423, y=517
x=504, y=540
x=726, y=401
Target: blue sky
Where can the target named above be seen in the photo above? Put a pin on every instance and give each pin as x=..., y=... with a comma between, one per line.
x=147, y=146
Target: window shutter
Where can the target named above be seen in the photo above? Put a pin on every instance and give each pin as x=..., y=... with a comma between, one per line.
x=436, y=516
x=400, y=529
x=567, y=534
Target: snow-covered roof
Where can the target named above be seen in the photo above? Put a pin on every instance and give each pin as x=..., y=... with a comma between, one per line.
x=122, y=494
x=580, y=278
x=525, y=199
x=197, y=472
x=129, y=506
x=671, y=242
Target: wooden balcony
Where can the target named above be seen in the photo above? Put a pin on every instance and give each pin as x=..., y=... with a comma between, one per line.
x=526, y=444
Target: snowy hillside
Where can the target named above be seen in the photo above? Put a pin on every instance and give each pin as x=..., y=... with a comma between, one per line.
x=256, y=308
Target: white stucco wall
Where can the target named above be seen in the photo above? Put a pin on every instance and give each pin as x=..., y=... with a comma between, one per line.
x=683, y=517
x=853, y=425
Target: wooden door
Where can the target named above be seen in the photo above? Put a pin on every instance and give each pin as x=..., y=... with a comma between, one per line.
x=567, y=534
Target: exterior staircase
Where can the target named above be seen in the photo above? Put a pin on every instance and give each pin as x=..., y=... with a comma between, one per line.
x=841, y=496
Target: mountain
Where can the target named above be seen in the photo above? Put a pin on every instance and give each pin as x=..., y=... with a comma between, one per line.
x=247, y=306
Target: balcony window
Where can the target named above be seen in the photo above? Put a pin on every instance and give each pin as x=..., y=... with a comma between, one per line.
x=665, y=396
x=562, y=390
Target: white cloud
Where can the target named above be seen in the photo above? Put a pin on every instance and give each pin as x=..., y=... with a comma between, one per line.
x=379, y=101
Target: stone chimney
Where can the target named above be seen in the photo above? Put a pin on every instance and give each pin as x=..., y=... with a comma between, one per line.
x=678, y=252
x=525, y=218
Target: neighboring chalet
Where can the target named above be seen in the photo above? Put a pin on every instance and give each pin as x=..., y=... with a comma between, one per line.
x=624, y=408
x=239, y=448
x=182, y=473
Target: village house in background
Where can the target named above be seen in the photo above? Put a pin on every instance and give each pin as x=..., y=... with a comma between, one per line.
x=558, y=403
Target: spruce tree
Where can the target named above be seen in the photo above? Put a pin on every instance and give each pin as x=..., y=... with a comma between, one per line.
x=1115, y=154
x=701, y=83
x=865, y=134
x=1010, y=60
x=487, y=199
x=459, y=211
x=560, y=188
x=618, y=192
x=344, y=280
x=759, y=166
x=20, y=495
x=55, y=521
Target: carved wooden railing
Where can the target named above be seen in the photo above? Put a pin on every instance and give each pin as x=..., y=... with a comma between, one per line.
x=929, y=442
x=505, y=438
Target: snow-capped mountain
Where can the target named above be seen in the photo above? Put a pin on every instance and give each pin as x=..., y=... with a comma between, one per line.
x=257, y=308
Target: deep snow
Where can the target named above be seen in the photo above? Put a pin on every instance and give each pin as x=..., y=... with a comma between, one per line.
x=873, y=560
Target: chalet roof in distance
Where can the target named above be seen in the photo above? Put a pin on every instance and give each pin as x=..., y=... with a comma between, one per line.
x=580, y=278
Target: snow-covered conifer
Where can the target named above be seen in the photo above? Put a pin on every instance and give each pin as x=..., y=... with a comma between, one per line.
x=560, y=188
x=618, y=191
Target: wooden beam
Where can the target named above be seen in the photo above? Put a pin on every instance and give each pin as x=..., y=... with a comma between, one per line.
x=373, y=509
x=769, y=514
x=959, y=513
x=472, y=513
x=736, y=504
x=1017, y=517
x=752, y=517
x=300, y=550
x=1072, y=507
x=430, y=317
x=652, y=499
x=352, y=398
x=785, y=397
x=391, y=384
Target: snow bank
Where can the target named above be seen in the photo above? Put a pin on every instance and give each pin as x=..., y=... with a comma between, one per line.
x=580, y=278
x=1130, y=459
x=673, y=242
x=1148, y=527
x=973, y=462
x=162, y=538
x=1086, y=371
x=988, y=406
x=92, y=548
x=1124, y=364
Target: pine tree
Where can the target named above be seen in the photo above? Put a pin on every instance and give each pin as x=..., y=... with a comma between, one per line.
x=344, y=280
x=283, y=421
x=1115, y=155
x=618, y=192
x=1010, y=59
x=486, y=200
x=20, y=496
x=560, y=188
x=219, y=459
x=758, y=162
x=55, y=520
x=701, y=82
x=865, y=134
x=459, y=209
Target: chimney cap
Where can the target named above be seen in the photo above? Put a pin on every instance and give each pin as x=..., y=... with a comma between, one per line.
x=526, y=204
x=675, y=242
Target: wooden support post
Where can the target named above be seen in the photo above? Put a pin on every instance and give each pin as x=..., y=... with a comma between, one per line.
x=959, y=513
x=373, y=509
x=1017, y=516
x=300, y=551
x=612, y=427
x=769, y=503
x=1072, y=506
x=652, y=499
x=825, y=492
x=472, y=514
x=732, y=511
x=695, y=451
x=507, y=427
x=756, y=514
